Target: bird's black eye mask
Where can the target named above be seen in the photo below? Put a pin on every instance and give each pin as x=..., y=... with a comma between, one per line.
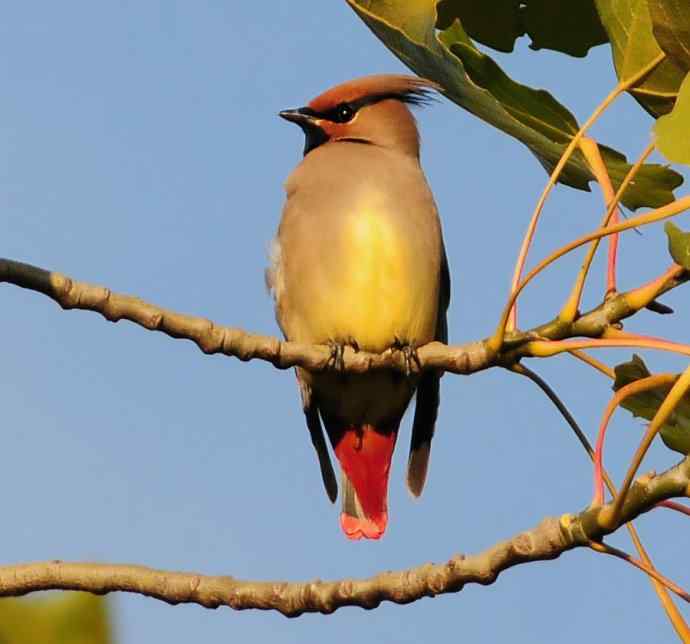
x=341, y=113
x=345, y=112
x=307, y=117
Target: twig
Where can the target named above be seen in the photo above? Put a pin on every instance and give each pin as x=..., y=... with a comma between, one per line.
x=670, y=402
x=594, y=363
x=655, y=574
x=678, y=507
x=665, y=212
x=623, y=86
x=631, y=389
x=572, y=304
x=592, y=153
x=557, y=403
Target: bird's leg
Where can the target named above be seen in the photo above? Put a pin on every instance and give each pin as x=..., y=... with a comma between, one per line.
x=409, y=351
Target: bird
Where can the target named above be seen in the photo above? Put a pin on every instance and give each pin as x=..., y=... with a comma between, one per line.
x=359, y=260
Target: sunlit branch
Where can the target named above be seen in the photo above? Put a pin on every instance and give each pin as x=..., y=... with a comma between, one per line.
x=214, y=338
x=643, y=295
x=659, y=214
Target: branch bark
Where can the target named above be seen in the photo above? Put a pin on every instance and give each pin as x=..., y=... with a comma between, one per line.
x=213, y=338
x=548, y=540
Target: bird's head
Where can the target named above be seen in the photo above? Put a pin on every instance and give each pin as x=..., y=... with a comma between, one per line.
x=370, y=110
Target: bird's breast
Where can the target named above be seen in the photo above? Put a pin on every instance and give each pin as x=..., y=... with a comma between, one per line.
x=366, y=273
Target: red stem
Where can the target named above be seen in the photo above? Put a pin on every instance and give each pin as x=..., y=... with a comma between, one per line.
x=678, y=507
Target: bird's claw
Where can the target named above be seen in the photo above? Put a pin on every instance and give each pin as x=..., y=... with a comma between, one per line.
x=336, y=361
x=410, y=356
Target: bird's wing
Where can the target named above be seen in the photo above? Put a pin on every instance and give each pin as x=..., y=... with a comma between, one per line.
x=428, y=398
x=311, y=414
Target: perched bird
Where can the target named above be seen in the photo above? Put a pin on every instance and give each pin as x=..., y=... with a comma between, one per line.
x=359, y=260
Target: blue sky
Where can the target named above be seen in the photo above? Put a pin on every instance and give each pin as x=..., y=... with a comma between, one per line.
x=141, y=150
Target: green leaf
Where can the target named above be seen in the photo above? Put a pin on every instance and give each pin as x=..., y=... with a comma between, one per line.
x=496, y=24
x=676, y=431
x=629, y=26
x=671, y=26
x=678, y=244
x=568, y=26
x=673, y=130
x=74, y=618
x=476, y=83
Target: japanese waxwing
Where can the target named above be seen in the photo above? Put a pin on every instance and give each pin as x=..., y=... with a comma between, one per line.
x=359, y=260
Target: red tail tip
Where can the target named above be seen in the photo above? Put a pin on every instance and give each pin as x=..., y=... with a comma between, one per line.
x=356, y=528
x=365, y=456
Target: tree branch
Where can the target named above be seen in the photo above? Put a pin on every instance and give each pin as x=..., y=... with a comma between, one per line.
x=213, y=338
x=548, y=540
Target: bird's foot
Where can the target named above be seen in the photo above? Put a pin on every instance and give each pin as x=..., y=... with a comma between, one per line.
x=410, y=356
x=336, y=360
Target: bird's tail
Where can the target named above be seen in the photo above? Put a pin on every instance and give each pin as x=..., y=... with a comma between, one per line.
x=365, y=459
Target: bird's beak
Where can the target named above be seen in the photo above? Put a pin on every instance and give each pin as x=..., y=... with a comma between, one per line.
x=303, y=116
x=310, y=123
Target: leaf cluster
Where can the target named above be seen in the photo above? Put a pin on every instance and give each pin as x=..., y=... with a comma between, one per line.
x=439, y=41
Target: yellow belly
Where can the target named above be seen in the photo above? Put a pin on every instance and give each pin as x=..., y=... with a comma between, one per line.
x=374, y=285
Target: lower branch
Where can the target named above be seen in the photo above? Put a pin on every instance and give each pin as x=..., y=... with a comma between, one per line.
x=548, y=540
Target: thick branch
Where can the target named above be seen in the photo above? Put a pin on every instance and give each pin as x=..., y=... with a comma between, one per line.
x=213, y=338
x=548, y=540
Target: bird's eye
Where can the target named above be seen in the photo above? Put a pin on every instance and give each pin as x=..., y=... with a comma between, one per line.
x=343, y=113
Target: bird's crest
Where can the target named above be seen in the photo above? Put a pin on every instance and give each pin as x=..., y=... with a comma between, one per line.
x=411, y=90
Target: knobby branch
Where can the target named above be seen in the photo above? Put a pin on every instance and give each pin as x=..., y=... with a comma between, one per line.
x=548, y=540
x=214, y=338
